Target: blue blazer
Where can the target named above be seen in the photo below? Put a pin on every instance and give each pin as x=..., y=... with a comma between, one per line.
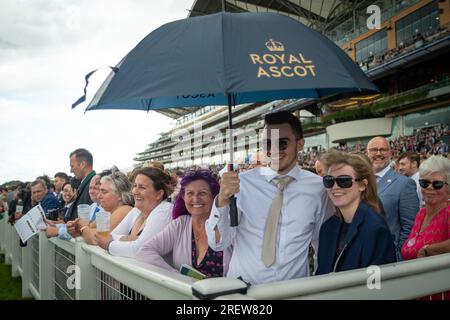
x=368, y=242
x=401, y=204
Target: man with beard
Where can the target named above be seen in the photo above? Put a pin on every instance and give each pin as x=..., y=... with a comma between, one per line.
x=397, y=193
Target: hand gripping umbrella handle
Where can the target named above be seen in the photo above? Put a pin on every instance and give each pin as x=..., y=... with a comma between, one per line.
x=233, y=212
x=233, y=206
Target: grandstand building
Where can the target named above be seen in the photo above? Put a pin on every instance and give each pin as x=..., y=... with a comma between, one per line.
x=407, y=57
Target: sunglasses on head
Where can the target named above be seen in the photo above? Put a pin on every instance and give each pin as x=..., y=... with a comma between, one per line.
x=437, y=184
x=204, y=173
x=342, y=181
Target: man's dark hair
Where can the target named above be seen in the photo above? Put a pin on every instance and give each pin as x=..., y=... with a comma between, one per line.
x=412, y=157
x=62, y=175
x=285, y=117
x=83, y=154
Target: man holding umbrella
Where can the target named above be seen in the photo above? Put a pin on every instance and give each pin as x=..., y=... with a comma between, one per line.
x=280, y=210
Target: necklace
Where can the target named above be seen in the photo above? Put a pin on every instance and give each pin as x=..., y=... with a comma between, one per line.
x=198, y=233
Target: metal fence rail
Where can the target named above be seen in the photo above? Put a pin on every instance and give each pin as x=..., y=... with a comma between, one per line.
x=57, y=269
x=34, y=248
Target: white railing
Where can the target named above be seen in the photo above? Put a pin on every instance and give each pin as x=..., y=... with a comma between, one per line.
x=3, y=233
x=57, y=269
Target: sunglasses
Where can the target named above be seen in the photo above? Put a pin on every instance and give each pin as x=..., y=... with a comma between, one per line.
x=437, y=184
x=342, y=181
x=282, y=144
x=203, y=173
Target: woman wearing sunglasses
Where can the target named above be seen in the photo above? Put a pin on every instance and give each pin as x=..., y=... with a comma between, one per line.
x=430, y=234
x=357, y=236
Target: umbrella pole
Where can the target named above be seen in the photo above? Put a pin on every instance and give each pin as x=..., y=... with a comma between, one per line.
x=233, y=207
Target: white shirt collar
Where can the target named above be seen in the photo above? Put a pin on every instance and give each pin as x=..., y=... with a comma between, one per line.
x=269, y=173
x=383, y=172
x=415, y=176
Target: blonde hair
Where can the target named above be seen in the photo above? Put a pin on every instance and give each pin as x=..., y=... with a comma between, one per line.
x=363, y=169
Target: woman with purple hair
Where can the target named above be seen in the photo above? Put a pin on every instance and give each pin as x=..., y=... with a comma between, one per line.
x=184, y=239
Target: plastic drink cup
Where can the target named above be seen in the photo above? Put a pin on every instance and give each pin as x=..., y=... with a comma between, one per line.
x=83, y=212
x=102, y=221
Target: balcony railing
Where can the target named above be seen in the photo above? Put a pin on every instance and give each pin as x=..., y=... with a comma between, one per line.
x=386, y=104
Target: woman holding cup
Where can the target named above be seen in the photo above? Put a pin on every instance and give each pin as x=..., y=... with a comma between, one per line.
x=115, y=198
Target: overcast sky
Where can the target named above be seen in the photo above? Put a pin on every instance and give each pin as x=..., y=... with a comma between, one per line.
x=46, y=48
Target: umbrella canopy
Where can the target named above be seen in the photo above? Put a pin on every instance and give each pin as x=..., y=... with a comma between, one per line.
x=228, y=59
x=251, y=57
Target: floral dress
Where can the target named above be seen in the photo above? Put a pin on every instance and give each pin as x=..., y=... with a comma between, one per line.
x=437, y=230
x=211, y=265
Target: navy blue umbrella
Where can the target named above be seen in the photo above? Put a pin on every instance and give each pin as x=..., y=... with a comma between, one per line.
x=228, y=59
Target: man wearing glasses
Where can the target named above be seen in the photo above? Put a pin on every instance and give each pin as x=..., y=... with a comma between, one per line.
x=280, y=210
x=397, y=193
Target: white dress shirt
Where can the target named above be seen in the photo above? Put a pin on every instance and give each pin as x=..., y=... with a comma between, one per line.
x=416, y=177
x=305, y=207
x=158, y=219
x=383, y=172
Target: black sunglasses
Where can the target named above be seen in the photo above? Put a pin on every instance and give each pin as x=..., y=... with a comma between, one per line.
x=282, y=144
x=342, y=181
x=437, y=184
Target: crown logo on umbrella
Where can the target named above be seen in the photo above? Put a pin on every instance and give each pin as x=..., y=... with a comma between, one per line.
x=274, y=45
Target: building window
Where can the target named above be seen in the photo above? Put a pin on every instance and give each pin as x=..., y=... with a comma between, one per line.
x=423, y=21
x=372, y=46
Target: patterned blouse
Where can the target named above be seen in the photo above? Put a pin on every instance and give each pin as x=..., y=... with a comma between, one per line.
x=212, y=263
x=437, y=230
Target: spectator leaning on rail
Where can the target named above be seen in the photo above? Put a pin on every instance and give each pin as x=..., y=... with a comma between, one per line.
x=81, y=163
x=185, y=237
x=74, y=226
x=41, y=195
x=150, y=215
x=357, y=236
x=397, y=193
x=259, y=254
x=59, y=228
x=115, y=197
x=430, y=234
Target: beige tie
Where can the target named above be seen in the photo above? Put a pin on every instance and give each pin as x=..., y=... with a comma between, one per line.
x=270, y=231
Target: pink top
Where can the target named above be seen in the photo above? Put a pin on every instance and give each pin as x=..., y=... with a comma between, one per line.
x=173, y=242
x=437, y=230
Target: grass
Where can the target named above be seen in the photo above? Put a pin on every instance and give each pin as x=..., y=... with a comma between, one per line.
x=10, y=288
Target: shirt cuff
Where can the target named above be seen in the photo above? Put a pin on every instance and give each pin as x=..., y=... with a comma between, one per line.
x=219, y=216
x=63, y=234
x=116, y=236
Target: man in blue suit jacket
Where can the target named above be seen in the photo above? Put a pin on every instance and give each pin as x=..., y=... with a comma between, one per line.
x=397, y=193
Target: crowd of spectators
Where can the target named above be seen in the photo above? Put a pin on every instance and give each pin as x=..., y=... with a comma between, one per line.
x=418, y=41
x=155, y=213
x=426, y=141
